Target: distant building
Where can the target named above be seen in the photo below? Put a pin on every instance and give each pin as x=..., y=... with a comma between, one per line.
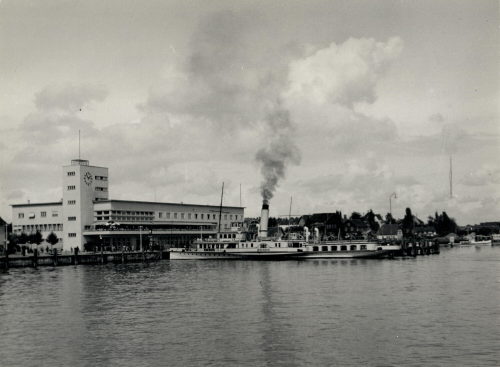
x=86, y=215
x=354, y=226
x=425, y=231
x=390, y=232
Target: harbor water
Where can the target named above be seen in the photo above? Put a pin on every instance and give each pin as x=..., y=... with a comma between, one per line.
x=439, y=310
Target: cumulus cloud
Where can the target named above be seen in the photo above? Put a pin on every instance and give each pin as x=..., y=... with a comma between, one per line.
x=69, y=97
x=345, y=74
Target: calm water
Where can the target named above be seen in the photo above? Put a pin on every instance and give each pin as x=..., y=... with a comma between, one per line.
x=435, y=311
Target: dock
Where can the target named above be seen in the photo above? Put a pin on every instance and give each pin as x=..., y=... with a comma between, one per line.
x=87, y=258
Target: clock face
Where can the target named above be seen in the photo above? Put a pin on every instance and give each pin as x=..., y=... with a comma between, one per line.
x=88, y=178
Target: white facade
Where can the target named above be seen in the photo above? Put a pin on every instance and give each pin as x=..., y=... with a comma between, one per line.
x=132, y=212
x=82, y=185
x=43, y=217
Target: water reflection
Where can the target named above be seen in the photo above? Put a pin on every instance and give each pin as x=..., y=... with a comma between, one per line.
x=320, y=312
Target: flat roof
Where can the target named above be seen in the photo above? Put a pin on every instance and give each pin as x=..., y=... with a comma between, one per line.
x=36, y=204
x=163, y=203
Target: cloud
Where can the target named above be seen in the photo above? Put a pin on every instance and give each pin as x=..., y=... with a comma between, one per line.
x=69, y=97
x=483, y=176
x=343, y=74
x=436, y=118
x=227, y=79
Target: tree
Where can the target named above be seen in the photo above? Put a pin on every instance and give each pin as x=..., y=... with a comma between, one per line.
x=272, y=222
x=355, y=215
x=13, y=245
x=52, y=239
x=445, y=224
x=389, y=219
x=23, y=238
x=36, y=238
x=370, y=216
x=408, y=223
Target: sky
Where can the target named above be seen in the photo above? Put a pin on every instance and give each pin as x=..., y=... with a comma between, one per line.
x=336, y=104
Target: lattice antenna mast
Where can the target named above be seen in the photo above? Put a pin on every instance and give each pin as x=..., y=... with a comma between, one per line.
x=451, y=178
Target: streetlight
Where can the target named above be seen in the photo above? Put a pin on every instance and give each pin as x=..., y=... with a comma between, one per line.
x=140, y=238
x=390, y=201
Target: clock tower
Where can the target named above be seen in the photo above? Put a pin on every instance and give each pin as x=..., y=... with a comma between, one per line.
x=83, y=184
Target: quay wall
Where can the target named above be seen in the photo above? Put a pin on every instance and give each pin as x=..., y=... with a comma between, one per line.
x=82, y=259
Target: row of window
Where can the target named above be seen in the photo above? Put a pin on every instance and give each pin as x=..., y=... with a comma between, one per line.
x=71, y=218
x=71, y=234
x=98, y=188
x=101, y=178
x=71, y=202
x=202, y=216
x=336, y=248
x=40, y=227
x=32, y=215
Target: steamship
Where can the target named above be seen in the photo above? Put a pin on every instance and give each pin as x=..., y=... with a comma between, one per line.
x=234, y=245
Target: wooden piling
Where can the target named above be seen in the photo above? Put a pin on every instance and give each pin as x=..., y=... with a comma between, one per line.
x=35, y=258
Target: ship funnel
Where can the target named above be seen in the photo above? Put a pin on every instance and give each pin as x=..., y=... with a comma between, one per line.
x=264, y=218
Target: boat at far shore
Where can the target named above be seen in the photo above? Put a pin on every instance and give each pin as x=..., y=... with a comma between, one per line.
x=473, y=240
x=495, y=239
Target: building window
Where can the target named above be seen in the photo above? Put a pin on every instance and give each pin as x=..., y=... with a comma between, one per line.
x=175, y=215
x=71, y=187
x=213, y=216
x=31, y=215
x=71, y=234
x=182, y=215
x=104, y=189
x=160, y=214
x=189, y=215
x=195, y=216
x=20, y=215
x=201, y=215
x=71, y=202
x=102, y=178
x=72, y=218
x=43, y=214
x=71, y=173
x=168, y=215
x=225, y=216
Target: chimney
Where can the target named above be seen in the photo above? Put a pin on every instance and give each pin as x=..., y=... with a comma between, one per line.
x=264, y=218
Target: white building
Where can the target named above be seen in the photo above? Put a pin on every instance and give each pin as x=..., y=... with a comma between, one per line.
x=44, y=217
x=86, y=217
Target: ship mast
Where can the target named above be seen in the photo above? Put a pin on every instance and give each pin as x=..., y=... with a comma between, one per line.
x=220, y=208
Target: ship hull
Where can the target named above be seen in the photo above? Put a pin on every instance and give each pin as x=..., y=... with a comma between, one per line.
x=240, y=255
x=370, y=254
